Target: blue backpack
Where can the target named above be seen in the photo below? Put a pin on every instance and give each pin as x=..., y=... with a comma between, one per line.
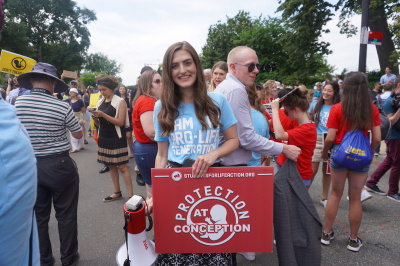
x=354, y=151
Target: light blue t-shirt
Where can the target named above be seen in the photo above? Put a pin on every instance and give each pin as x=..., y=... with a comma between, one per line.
x=18, y=186
x=389, y=109
x=385, y=78
x=317, y=94
x=323, y=116
x=261, y=127
x=188, y=140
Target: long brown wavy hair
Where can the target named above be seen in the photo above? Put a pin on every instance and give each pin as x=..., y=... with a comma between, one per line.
x=356, y=102
x=171, y=96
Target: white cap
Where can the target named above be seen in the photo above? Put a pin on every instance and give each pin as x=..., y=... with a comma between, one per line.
x=73, y=90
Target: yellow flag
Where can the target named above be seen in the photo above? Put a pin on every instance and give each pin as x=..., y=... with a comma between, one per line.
x=15, y=64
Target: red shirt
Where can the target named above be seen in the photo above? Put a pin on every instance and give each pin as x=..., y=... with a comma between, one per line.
x=304, y=137
x=143, y=104
x=335, y=120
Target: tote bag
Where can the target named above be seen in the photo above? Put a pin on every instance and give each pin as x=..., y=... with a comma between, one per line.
x=354, y=151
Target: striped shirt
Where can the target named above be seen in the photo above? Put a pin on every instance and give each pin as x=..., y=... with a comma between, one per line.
x=46, y=119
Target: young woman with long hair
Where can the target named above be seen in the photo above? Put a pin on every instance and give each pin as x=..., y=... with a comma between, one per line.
x=304, y=136
x=218, y=72
x=319, y=113
x=186, y=108
x=354, y=112
x=111, y=116
x=144, y=147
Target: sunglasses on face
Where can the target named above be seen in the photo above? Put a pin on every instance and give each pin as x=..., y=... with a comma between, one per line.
x=250, y=67
x=157, y=81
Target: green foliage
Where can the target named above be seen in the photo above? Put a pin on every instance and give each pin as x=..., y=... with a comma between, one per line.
x=222, y=37
x=381, y=11
x=99, y=62
x=89, y=79
x=268, y=37
x=50, y=31
x=304, y=21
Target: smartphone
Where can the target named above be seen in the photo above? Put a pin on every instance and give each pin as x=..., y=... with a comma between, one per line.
x=92, y=109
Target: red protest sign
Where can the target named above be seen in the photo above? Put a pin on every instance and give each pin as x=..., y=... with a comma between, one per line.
x=228, y=210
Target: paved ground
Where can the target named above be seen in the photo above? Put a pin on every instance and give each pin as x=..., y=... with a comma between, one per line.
x=101, y=233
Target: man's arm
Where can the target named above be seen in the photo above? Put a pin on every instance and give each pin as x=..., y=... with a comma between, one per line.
x=8, y=87
x=394, y=117
x=83, y=88
x=248, y=138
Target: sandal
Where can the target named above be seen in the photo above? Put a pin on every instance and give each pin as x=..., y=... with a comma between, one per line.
x=110, y=198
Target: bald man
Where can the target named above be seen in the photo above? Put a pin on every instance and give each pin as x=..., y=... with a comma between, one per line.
x=243, y=68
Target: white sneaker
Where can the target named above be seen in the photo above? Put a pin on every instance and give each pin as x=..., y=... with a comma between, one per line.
x=365, y=195
x=324, y=202
x=248, y=255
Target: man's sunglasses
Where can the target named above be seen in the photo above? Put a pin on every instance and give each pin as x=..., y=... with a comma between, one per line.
x=157, y=81
x=250, y=67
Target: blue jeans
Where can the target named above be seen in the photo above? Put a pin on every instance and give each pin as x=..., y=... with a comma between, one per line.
x=145, y=158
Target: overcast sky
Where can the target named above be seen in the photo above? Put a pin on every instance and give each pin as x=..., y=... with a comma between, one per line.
x=138, y=32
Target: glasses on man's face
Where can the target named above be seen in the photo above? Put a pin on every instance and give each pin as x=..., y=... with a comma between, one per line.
x=157, y=81
x=250, y=67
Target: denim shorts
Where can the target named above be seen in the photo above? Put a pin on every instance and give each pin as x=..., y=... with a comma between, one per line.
x=340, y=168
x=145, y=157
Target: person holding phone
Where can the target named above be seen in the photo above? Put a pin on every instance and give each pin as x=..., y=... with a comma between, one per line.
x=186, y=108
x=111, y=116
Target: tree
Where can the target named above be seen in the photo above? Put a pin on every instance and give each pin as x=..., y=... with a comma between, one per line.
x=222, y=37
x=383, y=17
x=267, y=36
x=48, y=30
x=99, y=62
x=304, y=21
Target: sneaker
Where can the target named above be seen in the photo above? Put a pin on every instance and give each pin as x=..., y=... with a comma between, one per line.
x=365, y=195
x=326, y=238
x=248, y=255
x=395, y=197
x=354, y=245
x=376, y=153
x=375, y=189
x=85, y=141
x=324, y=202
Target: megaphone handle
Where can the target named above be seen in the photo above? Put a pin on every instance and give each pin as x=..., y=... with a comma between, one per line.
x=150, y=223
x=127, y=262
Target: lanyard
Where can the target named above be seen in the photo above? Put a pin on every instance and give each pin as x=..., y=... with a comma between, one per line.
x=41, y=90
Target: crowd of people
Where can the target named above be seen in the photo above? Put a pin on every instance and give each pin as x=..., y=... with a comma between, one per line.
x=257, y=124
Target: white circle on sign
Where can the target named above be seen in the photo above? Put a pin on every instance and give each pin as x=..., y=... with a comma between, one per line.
x=188, y=219
x=176, y=176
